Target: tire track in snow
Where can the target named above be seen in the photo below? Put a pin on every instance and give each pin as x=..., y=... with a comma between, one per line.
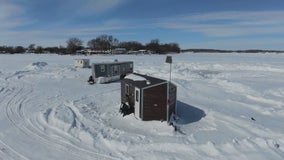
x=15, y=101
x=6, y=150
x=78, y=151
x=29, y=128
x=1, y=90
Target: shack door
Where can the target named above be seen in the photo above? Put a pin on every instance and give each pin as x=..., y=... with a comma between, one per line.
x=137, y=103
x=116, y=70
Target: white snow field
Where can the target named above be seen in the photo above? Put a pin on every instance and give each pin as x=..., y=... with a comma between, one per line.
x=230, y=106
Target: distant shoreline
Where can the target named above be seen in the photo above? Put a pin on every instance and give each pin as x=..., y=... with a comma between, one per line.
x=230, y=51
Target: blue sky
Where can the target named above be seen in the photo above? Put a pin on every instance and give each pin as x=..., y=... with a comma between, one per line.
x=218, y=24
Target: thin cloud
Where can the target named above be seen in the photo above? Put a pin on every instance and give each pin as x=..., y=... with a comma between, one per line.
x=8, y=10
x=56, y=37
x=84, y=7
x=236, y=16
x=54, y=21
x=27, y=20
x=239, y=43
x=229, y=24
x=99, y=6
x=10, y=15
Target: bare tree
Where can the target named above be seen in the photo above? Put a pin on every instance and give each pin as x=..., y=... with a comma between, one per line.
x=39, y=49
x=74, y=44
x=154, y=46
x=31, y=47
x=131, y=46
x=19, y=49
x=103, y=42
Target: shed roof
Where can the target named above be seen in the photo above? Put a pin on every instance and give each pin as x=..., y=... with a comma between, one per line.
x=114, y=62
x=84, y=59
x=142, y=81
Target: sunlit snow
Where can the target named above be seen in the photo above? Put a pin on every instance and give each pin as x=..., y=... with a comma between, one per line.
x=230, y=106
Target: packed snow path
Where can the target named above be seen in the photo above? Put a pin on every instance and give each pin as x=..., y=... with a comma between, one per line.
x=231, y=106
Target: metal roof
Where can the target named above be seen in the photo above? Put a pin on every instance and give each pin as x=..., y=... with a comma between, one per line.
x=118, y=62
x=147, y=83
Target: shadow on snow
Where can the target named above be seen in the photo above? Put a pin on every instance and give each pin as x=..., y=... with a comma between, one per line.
x=188, y=113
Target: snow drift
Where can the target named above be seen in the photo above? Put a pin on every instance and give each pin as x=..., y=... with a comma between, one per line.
x=36, y=65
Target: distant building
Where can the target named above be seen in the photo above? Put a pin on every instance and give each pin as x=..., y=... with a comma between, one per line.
x=89, y=52
x=82, y=63
x=150, y=98
x=78, y=52
x=141, y=51
x=30, y=51
x=119, y=51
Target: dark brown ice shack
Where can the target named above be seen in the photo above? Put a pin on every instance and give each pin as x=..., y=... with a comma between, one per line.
x=151, y=98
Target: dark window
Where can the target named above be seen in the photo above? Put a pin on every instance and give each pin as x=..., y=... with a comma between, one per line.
x=137, y=96
x=115, y=69
x=103, y=68
x=127, y=89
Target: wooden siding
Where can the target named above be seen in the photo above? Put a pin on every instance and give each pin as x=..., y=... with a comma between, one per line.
x=154, y=97
x=155, y=103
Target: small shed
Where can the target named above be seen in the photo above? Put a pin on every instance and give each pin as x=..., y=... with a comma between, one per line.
x=82, y=63
x=151, y=98
x=111, y=71
x=119, y=51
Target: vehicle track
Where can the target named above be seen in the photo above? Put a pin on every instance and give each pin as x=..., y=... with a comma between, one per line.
x=15, y=101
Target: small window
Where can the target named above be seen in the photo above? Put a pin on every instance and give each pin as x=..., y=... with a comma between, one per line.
x=127, y=89
x=131, y=65
x=137, y=96
x=103, y=68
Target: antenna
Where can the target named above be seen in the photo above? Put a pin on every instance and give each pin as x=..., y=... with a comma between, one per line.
x=170, y=61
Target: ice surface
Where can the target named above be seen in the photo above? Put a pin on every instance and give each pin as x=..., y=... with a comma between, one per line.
x=230, y=106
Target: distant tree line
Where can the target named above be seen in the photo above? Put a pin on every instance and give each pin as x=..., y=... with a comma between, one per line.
x=38, y=49
x=101, y=43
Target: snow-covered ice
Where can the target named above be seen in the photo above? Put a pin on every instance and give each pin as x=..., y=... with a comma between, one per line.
x=230, y=106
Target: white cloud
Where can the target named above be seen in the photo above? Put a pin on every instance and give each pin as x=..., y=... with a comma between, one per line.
x=8, y=10
x=13, y=15
x=54, y=37
x=90, y=7
x=9, y=14
x=236, y=15
x=229, y=24
x=100, y=5
x=238, y=43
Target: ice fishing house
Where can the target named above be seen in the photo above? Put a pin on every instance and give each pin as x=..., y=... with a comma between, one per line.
x=82, y=63
x=111, y=71
x=150, y=98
